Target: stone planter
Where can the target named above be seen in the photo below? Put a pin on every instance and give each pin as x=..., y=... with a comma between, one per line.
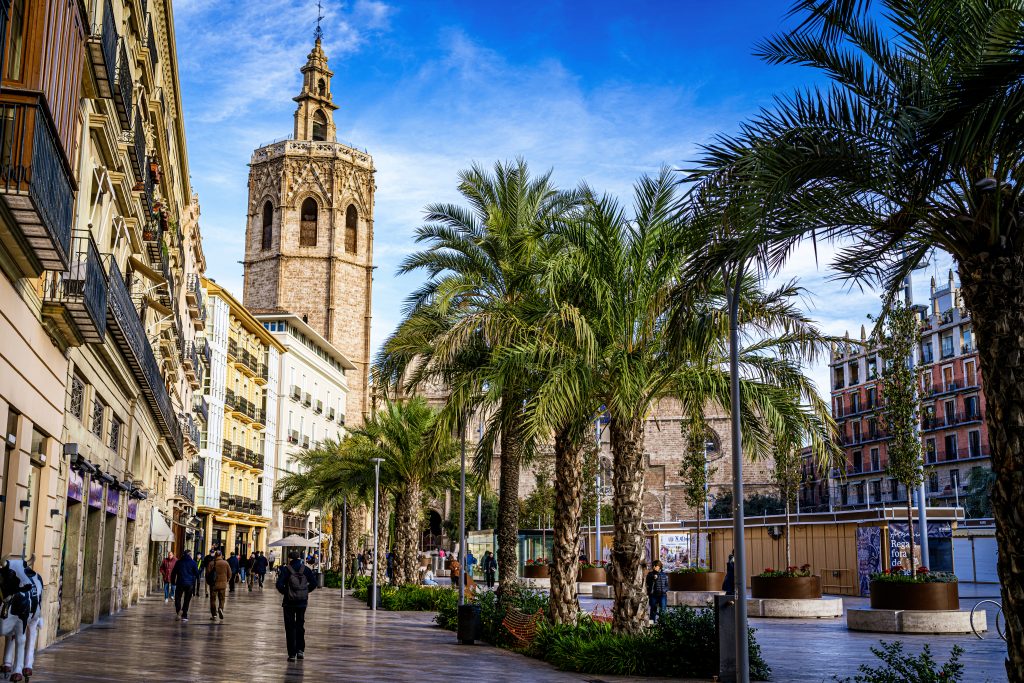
x=591, y=575
x=915, y=596
x=785, y=587
x=696, y=581
x=536, y=571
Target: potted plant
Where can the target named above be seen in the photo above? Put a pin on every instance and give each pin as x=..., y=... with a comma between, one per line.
x=920, y=590
x=592, y=572
x=695, y=578
x=791, y=583
x=536, y=568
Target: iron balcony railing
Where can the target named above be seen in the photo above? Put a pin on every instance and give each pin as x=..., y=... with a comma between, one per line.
x=76, y=298
x=183, y=488
x=196, y=468
x=123, y=88
x=232, y=348
x=154, y=52
x=229, y=399
x=130, y=336
x=35, y=182
x=191, y=429
x=202, y=407
x=102, y=44
x=226, y=448
x=138, y=156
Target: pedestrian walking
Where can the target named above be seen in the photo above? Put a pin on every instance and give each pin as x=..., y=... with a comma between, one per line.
x=204, y=565
x=362, y=562
x=166, y=567
x=389, y=566
x=218, y=575
x=490, y=566
x=249, y=569
x=657, y=590
x=260, y=567
x=272, y=559
x=233, y=563
x=470, y=561
x=729, y=585
x=295, y=582
x=185, y=577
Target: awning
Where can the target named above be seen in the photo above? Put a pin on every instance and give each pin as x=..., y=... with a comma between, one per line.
x=159, y=531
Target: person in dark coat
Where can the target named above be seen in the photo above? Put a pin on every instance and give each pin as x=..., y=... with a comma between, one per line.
x=203, y=566
x=657, y=590
x=489, y=566
x=185, y=577
x=295, y=582
x=235, y=567
x=260, y=568
x=729, y=585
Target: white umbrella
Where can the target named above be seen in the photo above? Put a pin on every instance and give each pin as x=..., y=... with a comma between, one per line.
x=294, y=541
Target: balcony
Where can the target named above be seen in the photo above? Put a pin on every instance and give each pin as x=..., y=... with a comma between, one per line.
x=226, y=448
x=122, y=88
x=229, y=399
x=193, y=368
x=196, y=468
x=330, y=414
x=293, y=436
x=37, y=187
x=191, y=430
x=202, y=408
x=194, y=300
x=137, y=155
x=296, y=392
x=243, y=504
x=102, y=44
x=232, y=349
x=185, y=489
x=75, y=300
x=130, y=337
x=154, y=51
x=307, y=400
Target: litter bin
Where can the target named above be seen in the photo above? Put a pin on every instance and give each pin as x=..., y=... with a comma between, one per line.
x=725, y=627
x=470, y=624
x=369, y=596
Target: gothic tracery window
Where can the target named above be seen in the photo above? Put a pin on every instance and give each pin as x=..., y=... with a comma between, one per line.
x=307, y=223
x=268, y=226
x=351, y=228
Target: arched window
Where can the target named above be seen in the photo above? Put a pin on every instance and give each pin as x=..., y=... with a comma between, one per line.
x=307, y=223
x=321, y=88
x=351, y=228
x=319, y=126
x=268, y=225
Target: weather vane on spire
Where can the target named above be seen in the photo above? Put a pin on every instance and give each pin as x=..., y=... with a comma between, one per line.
x=319, y=33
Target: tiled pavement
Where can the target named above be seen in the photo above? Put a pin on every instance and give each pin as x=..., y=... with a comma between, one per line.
x=346, y=642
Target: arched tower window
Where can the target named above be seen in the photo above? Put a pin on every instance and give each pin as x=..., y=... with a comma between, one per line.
x=307, y=223
x=321, y=88
x=268, y=225
x=319, y=126
x=351, y=228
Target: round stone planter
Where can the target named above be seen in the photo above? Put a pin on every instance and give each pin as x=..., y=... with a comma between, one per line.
x=696, y=581
x=536, y=571
x=785, y=587
x=591, y=575
x=915, y=596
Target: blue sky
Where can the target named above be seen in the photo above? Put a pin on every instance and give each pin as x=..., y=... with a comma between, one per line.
x=598, y=91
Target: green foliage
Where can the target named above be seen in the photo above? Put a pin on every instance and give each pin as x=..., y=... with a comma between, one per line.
x=539, y=505
x=695, y=471
x=690, y=570
x=356, y=582
x=922, y=575
x=332, y=579
x=753, y=506
x=414, y=598
x=978, y=499
x=899, y=667
x=492, y=613
x=361, y=587
x=788, y=572
x=902, y=405
x=490, y=514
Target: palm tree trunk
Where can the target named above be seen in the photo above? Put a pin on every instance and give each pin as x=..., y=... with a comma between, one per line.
x=508, y=505
x=406, y=527
x=565, y=604
x=384, y=522
x=628, y=612
x=336, y=549
x=993, y=291
x=354, y=537
x=789, y=557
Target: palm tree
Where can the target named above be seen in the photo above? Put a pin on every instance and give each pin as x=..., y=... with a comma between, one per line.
x=416, y=464
x=482, y=262
x=913, y=144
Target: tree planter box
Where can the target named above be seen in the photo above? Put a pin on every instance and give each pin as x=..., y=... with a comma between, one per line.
x=696, y=581
x=592, y=575
x=786, y=587
x=536, y=571
x=915, y=596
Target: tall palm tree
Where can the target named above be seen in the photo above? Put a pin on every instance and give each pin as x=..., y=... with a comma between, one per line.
x=482, y=262
x=416, y=464
x=913, y=144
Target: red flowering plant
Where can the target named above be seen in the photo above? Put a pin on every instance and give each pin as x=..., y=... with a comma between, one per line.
x=922, y=575
x=788, y=573
x=600, y=564
x=537, y=561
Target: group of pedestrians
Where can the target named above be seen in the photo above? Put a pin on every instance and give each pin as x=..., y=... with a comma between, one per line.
x=182, y=578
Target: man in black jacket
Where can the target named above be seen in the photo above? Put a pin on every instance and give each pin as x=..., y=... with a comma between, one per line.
x=260, y=567
x=295, y=582
x=185, y=577
x=233, y=563
x=657, y=590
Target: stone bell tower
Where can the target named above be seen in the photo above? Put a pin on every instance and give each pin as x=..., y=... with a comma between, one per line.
x=309, y=230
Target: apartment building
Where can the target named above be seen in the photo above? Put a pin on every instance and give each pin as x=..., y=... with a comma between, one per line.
x=312, y=390
x=234, y=502
x=953, y=431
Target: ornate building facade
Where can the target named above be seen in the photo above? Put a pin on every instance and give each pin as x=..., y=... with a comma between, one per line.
x=309, y=234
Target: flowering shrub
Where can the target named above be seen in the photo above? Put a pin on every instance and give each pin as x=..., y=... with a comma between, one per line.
x=788, y=572
x=537, y=561
x=923, y=575
x=689, y=570
x=593, y=565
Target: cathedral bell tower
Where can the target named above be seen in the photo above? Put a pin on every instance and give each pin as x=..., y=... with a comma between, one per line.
x=309, y=230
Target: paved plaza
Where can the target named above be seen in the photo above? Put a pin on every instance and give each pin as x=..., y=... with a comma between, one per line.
x=346, y=642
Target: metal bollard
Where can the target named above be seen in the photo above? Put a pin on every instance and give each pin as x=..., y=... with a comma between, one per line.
x=725, y=627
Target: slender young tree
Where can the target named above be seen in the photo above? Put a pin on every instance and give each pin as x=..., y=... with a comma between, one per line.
x=902, y=407
x=695, y=471
x=786, y=474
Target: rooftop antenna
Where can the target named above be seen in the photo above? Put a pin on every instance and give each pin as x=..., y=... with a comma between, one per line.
x=319, y=33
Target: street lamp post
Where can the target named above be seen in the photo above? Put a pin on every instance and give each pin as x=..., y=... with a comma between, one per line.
x=922, y=497
x=462, y=520
x=344, y=542
x=376, y=512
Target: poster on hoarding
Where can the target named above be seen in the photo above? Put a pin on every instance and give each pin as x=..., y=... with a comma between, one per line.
x=95, y=493
x=133, y=508
x=674, y=550
x=869, y=555
x=113, y=496
x=76, y=486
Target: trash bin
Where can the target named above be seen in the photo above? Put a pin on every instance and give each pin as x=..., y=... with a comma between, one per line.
x=725, y=628
x=369, y=596
x=470, y=624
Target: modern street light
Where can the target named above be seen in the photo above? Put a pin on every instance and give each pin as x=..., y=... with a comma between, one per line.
x=462, y=520
x=344, y=541
x=376, y=512
x=922, y=498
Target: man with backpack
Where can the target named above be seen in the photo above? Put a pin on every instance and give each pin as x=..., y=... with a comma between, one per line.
x=295, y=582
x=184, y=576
x=657, y=590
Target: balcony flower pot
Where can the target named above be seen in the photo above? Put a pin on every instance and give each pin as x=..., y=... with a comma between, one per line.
x=695, y=581
x=786, y=587
x=915, y=595
x=536, y=571
x=592, y=575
